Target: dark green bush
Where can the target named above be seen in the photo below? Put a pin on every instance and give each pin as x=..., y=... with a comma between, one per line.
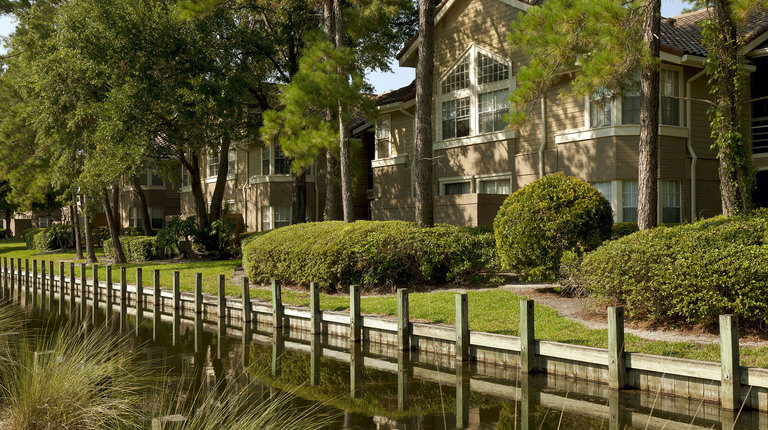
x=135, y=248
x=689, y=274
x=100, y=234
x=621, y=229
x=547, y=217
x=367, y=252
x=40, y=239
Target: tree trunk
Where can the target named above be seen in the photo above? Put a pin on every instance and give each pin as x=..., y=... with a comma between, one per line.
x=90, y=249
x=298, y=197
x=648, y=163
x=332, y=191
x=114, y=231
x=193, y=167
x=116, y=205
x=423, y=150
x=729, y=119
x=221, y=181
x=76, y=226
x=8, y=218
x=146, y=222
x=344, y=156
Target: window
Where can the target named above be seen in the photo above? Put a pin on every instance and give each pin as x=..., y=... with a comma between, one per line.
x=185, y=177
x=232, y=163
x=474, y=95
x=265, y=159
x=383, y=138
x=457, y=188
x=147, y=176
x=630, y=107
x=491, y=110
x=600, y=108
x=496, y=186
x=671, y=201
x=213, y=164
x=629, y=201
x=670, y=97
x=135, y=219
x=282, y=166
x=42, y=222
x=156, y=217
x=605, y=189
x=2, y=223
x=275, y=217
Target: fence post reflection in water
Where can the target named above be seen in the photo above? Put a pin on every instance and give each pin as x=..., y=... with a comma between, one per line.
x=198, y=312
x=316, y=350
x=52, y=288
x=463, y=372
x=19, y=289
x=403, y=373
x=96, y=294
x=62, y=288
x=123, y=300
x=25, y=280
x=42, y=286
x=156, y=302
x=278, y=348
x=72, y=289
x=139, y=300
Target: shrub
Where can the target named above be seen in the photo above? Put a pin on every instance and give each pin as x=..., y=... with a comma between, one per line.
x=136, y=248
x=688, y=274
x=539, y=222
x=175, y=230
x=38, y=239
x=367, y=252
x=621, y=229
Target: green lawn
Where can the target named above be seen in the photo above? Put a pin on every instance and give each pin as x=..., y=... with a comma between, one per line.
x=493, y=311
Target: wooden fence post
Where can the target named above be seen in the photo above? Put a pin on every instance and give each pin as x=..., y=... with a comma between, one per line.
x=72, y=289
x=199, y=295
x=12, y=284
x=83, y=290
x=527, y=337
x=314, y=308
x=222, y=298
x=355, y=321
x=3, y=284
x=277, y=304
x=34, y=283
x=157, y=302
x=123, y=299
x=20, y=287
x=403, y=321
x=730, y=381
x=617, y=369
x=462, y=327
x=26, y=280
x=95, y=289
x=247, y=311
x=139, y=299
x=176, y=293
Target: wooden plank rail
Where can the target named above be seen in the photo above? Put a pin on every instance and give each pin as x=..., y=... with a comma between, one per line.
x=726, y=382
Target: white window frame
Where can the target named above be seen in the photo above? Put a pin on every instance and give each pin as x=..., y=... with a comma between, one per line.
x=473, y=93
x=479, y=179
x=147, y=172
x=388, y=129
x=272, y=213
x=661, y=208
x=40, y=223
x=209, y=162
x=456, y=180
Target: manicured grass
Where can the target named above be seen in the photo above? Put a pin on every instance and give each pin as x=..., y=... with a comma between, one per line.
x=493, y=311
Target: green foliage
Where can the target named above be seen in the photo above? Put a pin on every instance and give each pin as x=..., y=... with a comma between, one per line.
x=366, y=252
x=547, y=217
x=58, y=236
x=175, y=230
x=621, y=229
x=688, y=274
x=100, y=236
x=599, y=40
x=136, y=248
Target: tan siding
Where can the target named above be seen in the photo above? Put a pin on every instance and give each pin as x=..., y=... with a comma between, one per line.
x=470, y=160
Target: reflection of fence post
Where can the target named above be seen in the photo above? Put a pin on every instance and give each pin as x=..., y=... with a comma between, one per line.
x=157, y=301
x=730, y=381
x=139, y=299
x=314, y=308
x=12, y=283
x=462, y=327
x=462, y=395
x=110, y=293
x=527, y=403
x=355, y=369
x=42, y=285
x=355, y=321
x=95, y=292
x=527, y=339
x=123, y=299
x=277, y=304
x=34, y=283
x=20, y=280
x=83, y=290
x=26, y=280
x=51, y=287
x=617, y=370
x=403, y=322
x=72, y=289
x=314, y=361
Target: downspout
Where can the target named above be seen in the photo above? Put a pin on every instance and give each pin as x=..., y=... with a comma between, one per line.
x=317, y=193
x=413, y=159
x=246, y=184
x=694, y=157
x=543, y=134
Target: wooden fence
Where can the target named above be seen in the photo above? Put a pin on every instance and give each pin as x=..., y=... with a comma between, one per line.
x=727, y=382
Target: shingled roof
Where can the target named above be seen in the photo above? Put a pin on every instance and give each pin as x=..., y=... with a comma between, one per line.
x=684, y=31
x=399, y=95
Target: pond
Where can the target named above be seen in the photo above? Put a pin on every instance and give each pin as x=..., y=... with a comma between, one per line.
x=365, y=387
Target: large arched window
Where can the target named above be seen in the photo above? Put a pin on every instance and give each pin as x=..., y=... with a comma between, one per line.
x=473, y=95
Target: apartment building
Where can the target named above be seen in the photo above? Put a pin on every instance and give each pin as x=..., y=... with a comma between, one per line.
x=477, y=161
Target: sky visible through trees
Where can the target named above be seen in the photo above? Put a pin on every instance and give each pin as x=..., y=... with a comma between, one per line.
x=401, y=76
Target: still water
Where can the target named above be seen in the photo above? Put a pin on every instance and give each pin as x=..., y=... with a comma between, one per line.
x=370, y=388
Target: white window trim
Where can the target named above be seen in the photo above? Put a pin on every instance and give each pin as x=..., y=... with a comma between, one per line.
x=492, y=177
x=616, y=105
x=378, y=156
x=230, y=175
x=456, y=179
x=473, y=92
x=567, y=136
x=391, y=161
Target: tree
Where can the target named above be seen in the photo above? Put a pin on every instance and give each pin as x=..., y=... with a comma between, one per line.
x=423, y=150
x=6, y=206
x=599, y=41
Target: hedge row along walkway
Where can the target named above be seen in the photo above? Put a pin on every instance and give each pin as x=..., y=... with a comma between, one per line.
x=493, y=311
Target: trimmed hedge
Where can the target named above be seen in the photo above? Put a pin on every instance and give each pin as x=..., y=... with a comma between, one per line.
x=136, y=248
x=621, y=229
x=689, y=274
x=367, y=252
x=56, y=236
x=546, y=218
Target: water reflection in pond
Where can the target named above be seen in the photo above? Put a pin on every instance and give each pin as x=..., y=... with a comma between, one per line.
x=379, y=388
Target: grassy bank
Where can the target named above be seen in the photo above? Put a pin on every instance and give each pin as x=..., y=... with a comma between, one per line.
x=493, y=311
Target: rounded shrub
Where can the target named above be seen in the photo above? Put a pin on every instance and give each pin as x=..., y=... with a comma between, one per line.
x=135, y=248
x=686, y=275
x=367, y=252
x=547, y=217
